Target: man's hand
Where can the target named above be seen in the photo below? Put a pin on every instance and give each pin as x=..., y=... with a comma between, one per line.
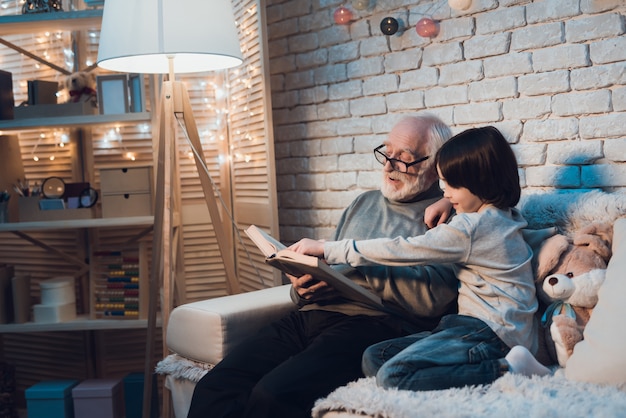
x=310, y=289
x=437, y=213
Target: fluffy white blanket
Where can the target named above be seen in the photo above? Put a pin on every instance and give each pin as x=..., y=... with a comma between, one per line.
x=511, y=396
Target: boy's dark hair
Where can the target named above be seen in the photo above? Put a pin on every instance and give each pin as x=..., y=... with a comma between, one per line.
x=482, y=161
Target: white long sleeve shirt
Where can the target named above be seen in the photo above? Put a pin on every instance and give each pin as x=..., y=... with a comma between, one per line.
x=493, y=265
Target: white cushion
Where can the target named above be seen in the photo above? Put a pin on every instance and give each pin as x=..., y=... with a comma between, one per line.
x=205, y=331
x=600, y=358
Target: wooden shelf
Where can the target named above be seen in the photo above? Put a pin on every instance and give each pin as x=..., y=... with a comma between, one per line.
x=78, y=223
x=69, y=121
x=81, y=323
x=48, y=22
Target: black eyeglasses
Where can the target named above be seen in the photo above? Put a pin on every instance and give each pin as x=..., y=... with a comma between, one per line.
x=397, y=165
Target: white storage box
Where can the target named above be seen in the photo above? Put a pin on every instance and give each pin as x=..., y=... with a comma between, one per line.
x=54, y=313
x=58, y=291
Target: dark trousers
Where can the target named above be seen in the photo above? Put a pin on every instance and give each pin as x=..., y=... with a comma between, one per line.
x=286, y=366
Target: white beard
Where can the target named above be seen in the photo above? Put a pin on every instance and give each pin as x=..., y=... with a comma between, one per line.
x=411, y=186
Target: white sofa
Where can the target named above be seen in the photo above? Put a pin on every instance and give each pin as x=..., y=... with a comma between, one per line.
x=200, y=333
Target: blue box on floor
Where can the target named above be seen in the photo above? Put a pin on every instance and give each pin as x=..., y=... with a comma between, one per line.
x=133, y=396
x=50, y=399
x=99, y=398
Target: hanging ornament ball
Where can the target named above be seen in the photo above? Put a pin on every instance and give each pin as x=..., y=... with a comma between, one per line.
x=389, y=26
x=459, y=4
x=360, y=4
x=427, y=27
x=342, y=16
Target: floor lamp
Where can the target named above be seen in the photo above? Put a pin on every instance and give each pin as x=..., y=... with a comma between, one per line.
x=168, y=37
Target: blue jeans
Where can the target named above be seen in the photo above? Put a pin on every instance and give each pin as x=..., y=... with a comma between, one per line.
x=460, y=351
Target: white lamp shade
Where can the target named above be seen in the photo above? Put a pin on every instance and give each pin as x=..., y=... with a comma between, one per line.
x=139, y=36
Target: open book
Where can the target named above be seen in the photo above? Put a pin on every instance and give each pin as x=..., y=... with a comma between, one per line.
x=290, y=262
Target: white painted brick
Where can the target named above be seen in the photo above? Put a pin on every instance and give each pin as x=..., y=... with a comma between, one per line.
x=608, y=50
x=510, y=129
x=515, y=63
x=286, y=99
x=550, y=130
x=313, y=95
x=500, y=20
x=419, y=79
x=545, y=11
x=438, y=54
x=347, y=90
x=477, y=113
x=305, y=148
x=292, y=166
x=359, y=29
x=493, y=89
x=595, y=6
x=402, y=61
x=569, y=104
x=380, y=84
x=461, y=73
x=332, y=199
x=333, y=35
x=555, y=176
x=330, y=74
x=487, y=45
x=593, y=27
x=332, y=110
x=303, y=113
x=299, y=80
x=560, y=57
x=455, y=28
x=320, y=129
x=289, y=132
x=532, y=37
x=307, y=182
x=354, y=126
x=598, y=76
x=343, y=52
x=604, y=175
x=368, y=106
x=369, y=179
x=529, y=154
x=574, y=152
x=619, y=99
x=312, y=59
x=322, y=164
x=440, y=96
x=365, y=67
x=335, y=146
x=602, y=127
x=409, y=100
x=303, y=43
x=341, y=181
x=615, y=149
x=526, y=108
x=285, y=64
x=286, y=182
x=377, y=46
x=544, y=83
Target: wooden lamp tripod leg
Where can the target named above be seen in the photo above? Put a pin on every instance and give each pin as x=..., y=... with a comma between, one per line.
x=175, y=100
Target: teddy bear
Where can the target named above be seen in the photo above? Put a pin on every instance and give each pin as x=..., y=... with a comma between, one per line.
x=569, y=275
x=81, y=87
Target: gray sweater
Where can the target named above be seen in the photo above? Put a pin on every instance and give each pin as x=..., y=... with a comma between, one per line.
x=422, y=293
x=493, y=266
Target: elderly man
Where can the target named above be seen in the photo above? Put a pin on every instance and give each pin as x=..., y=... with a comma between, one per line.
x=286, y=366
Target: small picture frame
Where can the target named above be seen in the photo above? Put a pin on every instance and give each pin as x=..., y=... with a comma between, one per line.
x=113, y=94
x=137, y=93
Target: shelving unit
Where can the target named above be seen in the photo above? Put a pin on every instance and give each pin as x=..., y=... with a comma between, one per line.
x=55, y=21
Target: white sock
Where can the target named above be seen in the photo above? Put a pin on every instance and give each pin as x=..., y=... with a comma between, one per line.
x=521, y=361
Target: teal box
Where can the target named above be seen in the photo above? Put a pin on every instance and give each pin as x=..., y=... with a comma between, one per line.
x=133, y=396
x=50, y=399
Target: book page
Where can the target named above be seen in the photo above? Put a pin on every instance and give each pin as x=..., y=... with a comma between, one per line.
x=264, y=241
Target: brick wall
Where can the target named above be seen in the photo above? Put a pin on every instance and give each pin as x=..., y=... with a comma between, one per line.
x=551, y=75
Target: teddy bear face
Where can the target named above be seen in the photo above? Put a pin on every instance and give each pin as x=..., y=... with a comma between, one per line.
x=78, y=81
x=576, y=278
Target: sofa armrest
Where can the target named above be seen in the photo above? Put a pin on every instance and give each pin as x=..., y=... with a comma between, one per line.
x=206, y=330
